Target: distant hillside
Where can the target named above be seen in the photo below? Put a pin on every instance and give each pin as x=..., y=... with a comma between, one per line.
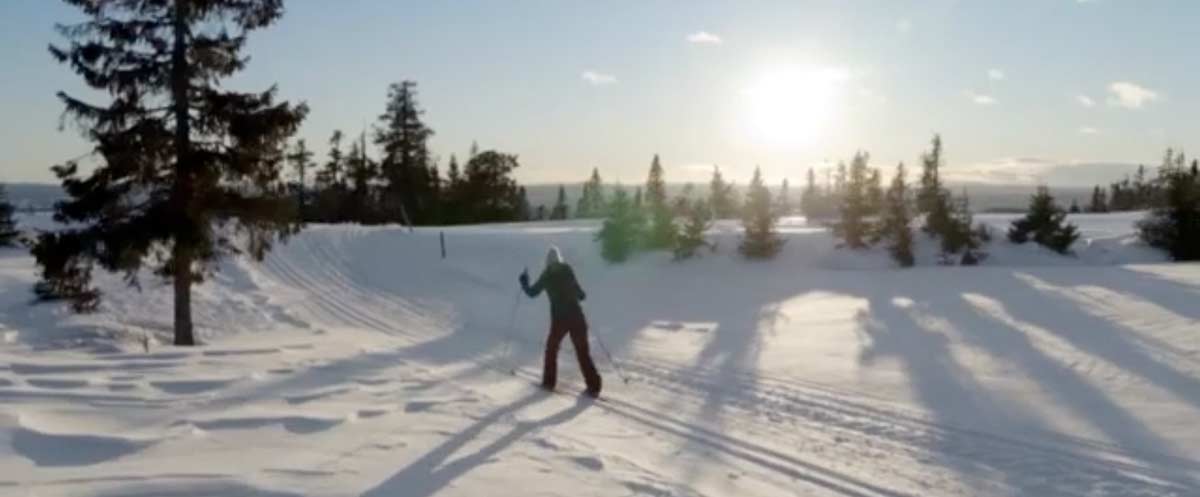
x=34, y=196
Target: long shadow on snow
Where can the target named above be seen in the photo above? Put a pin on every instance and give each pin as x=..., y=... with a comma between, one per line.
x=431, y=473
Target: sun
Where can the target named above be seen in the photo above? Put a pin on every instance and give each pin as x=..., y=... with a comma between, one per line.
x=791, y=106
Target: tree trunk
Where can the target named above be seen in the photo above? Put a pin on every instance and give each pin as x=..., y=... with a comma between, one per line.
x=183, y=297
x=182, y=190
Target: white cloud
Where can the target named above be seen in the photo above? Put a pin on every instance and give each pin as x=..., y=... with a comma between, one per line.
x=1088, y=130
x=981, y=99
x=904, y=26
x=704, y=38
x=1034, y=171
x=995, y=74
x=1085, y=101
x=1130, y=95
x=598, y=78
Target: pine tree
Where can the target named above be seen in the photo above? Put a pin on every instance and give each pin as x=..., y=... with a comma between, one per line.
x=682, y=205
x=301, y=160
x=330, y=187
x=591, y=201
x=855, y=227
x=524, y=212
x=691, y=238
x=1174, y=226
x=783, y=202
x=560, y=206
x=839, y=181
x=490, y=193
x=618, y=236
x=8, y=225
x=1074, y=207
x=404, y=165
x=452, y=193
x=811, y=201
x=1044, y=224
x=761, y=241
x=662, y=223
x=896, y=222
x=361, y=171
x=960, y=236
x=1099, y=204
x=720, y=196
x=874, y=192
x=931, y=192
x=181, y=154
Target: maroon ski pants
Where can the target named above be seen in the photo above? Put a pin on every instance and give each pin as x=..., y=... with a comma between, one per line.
x=577, y=328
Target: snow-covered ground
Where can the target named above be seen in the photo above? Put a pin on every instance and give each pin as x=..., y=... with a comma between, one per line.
x=355, y=361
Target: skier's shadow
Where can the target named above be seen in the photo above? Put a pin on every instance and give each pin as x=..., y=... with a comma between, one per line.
x=429, y=474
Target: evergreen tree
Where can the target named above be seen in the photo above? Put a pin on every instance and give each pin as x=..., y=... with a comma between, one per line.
x=1074, y=207
x=839, y=181
x=404, y=166
x=691, y=238
x=301, y=160
x=361, y=171
x=1099, y=204
x=591, y=201
x=662, y=223
x=896, y=222
x=855, y=208
x=720, y=196
x=761, y=241
x=524, y=212
x=1174, y=226
x=959, y=236
x=8, y=225
x=811, y=201
x=682, y=205
x=560, y=206
x=874, y=192
x=540, y=213
x=783, y=202
x=931, y=197
x=182, y=156
x=1044, y=224
x=490, y=194
x=329, y=186
x=451, y=194
x=618, y=236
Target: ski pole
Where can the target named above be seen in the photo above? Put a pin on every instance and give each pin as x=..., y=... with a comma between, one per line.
x=508, y=338
x=608, y=354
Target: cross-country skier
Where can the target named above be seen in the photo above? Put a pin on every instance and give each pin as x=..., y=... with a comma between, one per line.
x=566, y=317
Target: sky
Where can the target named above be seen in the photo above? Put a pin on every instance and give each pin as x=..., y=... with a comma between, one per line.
x=1066, y=92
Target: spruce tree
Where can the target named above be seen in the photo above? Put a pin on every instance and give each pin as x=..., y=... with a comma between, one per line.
x=300, y=159
x=490, y=193
x=361, y=172
x=8, y=225
x=874, y=192
x=662, y=223
x=760, y=241
x=559, y=211
x=783, y=202
x=591, y=201
x=524, y=211
x=720, y=196
x=404, y=165
x=896, y=221
x=1045, y=224
x=618, y=236
x=186, y=163
x=1174, y=226
x=1099, y=204
x=691, y=237
x=682, y=205
x=330, y=184
x=855, y=226
x=452, y=193
x=1074, y=207
x=811, y=200
x=931, y=192
x=960, y=236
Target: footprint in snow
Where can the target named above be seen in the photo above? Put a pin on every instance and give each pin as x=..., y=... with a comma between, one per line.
x=57, y=384
x=183, y=387
x=592, y=463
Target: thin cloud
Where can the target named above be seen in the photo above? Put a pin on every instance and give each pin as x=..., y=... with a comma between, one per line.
x=981, y=99
x=904, y=26
x=1085, y=101
x=1088, y=130
x=996, y=74
x=1035, y=171
x=595, y=78
x=1130, y=95
x=704, y=38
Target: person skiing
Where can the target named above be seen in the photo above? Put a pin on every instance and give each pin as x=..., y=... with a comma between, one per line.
x=566, y=317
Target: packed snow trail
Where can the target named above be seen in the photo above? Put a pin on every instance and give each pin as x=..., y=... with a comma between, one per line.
x=355, y=361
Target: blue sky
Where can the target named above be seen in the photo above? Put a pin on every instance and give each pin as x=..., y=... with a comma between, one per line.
x=1019, y=89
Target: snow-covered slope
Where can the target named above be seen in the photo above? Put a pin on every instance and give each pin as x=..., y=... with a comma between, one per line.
x=356, y=361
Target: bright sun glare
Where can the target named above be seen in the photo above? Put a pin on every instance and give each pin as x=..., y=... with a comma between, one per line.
x=792, y=106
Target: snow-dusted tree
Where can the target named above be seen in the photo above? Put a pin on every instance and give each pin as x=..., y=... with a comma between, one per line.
x=1175, y=225
x=896, y=220
x=1045, y=224
x=186, y=165
x=720, y=196
x=691, y=237
x=8, y=225
x=662, y=230
x=855, y=227
x=761, y=240
x=620, y=233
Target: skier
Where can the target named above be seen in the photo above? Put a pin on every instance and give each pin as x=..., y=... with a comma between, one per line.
x=566, y=317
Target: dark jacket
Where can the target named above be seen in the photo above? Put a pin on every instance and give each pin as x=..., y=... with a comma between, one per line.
x=558, y=280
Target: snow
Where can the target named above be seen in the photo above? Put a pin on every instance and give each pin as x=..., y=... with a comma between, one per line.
x=355, y=361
